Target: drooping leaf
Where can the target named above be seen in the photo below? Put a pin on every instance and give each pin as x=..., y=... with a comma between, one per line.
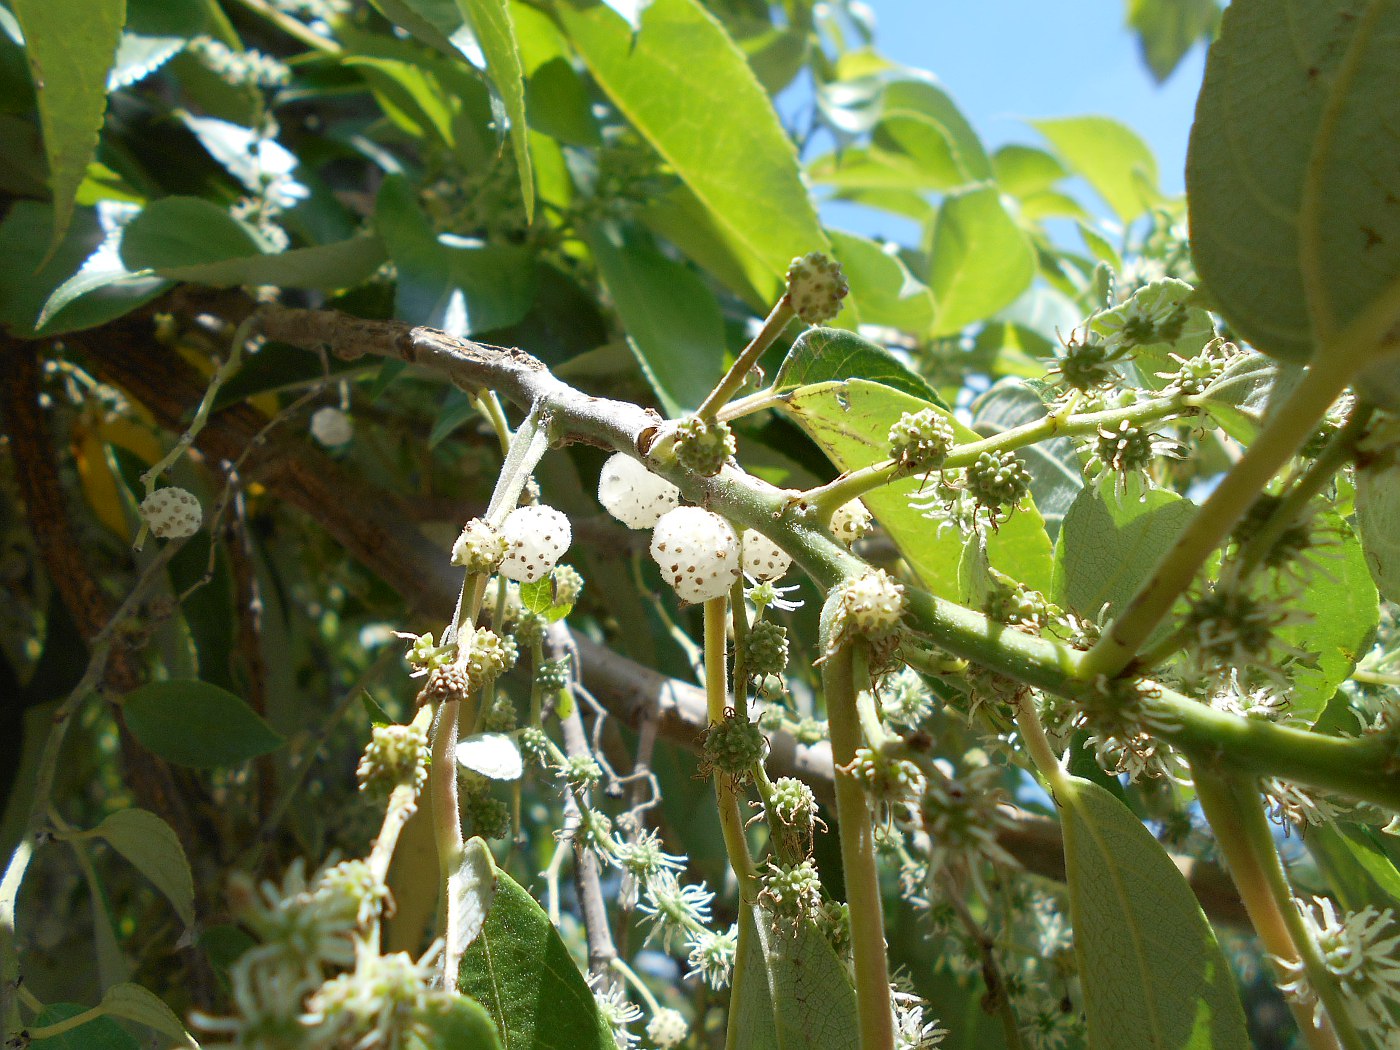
x=153, y=849
x=851, y=422
x=820, y=355
x=1168, y=29
x=101, y=1033
x=494, y=755
x=1154, y=977
x=462, y=287
x=1024, y=171
x=689, y=91
x=1054, y=465
x=471, y=892
x=673, y=324
x=1342, y=609
x=71, y=45
x=82, y=269
x=1378, y=523
x=1110, y=157
x=520, y=970
x=1110, y=543
x=809, y=992
x=1290, y=182
x=496, y=36
x=134, y=1003
x=193, y=723
x=980, y=260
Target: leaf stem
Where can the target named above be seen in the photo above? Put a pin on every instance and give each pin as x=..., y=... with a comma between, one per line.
x=1241, y=829
x=858, y=852
x=778, y=319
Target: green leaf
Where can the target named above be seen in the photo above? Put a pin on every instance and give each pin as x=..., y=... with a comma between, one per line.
x=1357, y=868
x=888, y=293
x=92, y=284
x=71, y=45
x=1378, y=522
x=461, y=1025
x=102, y=1033
x=1024, y=171
x=674, y=326
x=1290, y=174
x=1111, y=542
x=496, y=35
x=851, y=423
x=823, y=354
x=809, y=991
x=153, y=849
x=558, y=103
x=520, y=970
x=1167, y=29
x=438, y=23
x=1240, y=399
x=471, y=892
x=193, y=723
x=1153, y=976
x=752, y=1017
x=980, y=260
x=1054, y=465
x=191, y=239
x=686, y=87
x=462, y=287
x=134, y=1003
x=1110, y=157
x=1344, y=608
x=538, y=598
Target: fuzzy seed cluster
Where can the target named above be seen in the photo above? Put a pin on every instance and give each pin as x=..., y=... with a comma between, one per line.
x=851, y=521
x=791, y=892
x=766, y=649
x=703, y=447
x=172, y=513
x=395, y=755
x=762, y=558
x=816, y=287
x=634, y=495
x=537, y=537
x=480, y=548
x=734, y=746
x=921, y=440
x=698, y=553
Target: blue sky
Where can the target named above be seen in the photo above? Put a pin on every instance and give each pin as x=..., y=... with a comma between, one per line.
x=1005, y=61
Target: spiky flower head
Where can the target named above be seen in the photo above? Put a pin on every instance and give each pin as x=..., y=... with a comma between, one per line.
x=890, y=782
x=1086, y=363
x=712, y=955
x=793, y=805
x=698, y=552
x=921, y=440
x=815, y=287
x=676, y=910
x=1127, y=728
x=791, y=892
x=765, y=649
x=905, y=699
x=703, y=447
x=378, y=1004
x=172, y=513
x=851, y=521
x=734, y=746
x=537, y=537
x=480, y=548
x=1359, y=951
x=762, y=558
x=962, y=817
x=396, y=755
x=998, y=481
x=489, y=656
x=1233, y=627
x=634, y=495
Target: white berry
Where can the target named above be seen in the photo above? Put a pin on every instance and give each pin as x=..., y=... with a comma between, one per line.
x=667, y=1028
x=872, y=604
x=698, y=553
x=331, y=427
x=634, y=495
x=537, y=538
x=850, y=521
x=764, y=559
x=172, y=513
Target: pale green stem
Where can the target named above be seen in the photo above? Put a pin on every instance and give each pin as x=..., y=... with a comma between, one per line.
x=751, y=403
x=638, y=985
x=773, y=326
x=292, y=27
x=1241, y=829
x=1287, y=429
x=447, y=827
x=857, y=834
x=856, y=483
x=1361, y=674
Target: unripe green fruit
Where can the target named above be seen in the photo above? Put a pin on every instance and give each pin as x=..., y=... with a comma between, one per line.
x=816, y=287
x=998, y=481
x=734, y=746
x=791, y=892
x=703, y=447
x=921, y=440
x=766, y=649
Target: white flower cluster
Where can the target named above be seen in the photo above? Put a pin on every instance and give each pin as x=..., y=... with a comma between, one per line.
x=1359, y=950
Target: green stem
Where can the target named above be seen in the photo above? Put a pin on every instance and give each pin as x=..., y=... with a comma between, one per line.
x=292, y=27
x=773, y=326
x=856, y=483
x=1276, y=444
x=1246, y=842
x=751, y=403
x=858, y=853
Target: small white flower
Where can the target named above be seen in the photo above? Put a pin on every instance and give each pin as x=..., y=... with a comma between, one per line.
x=617, y=1012
x=1358, y=949
x=331, y=427
x=667, y=1028
x=712, y=956
x=911, y=1031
